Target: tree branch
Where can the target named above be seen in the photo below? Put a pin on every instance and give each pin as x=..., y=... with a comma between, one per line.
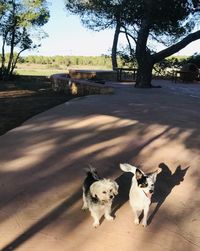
x=129, y=43
x=176, y=47
x=128, y=34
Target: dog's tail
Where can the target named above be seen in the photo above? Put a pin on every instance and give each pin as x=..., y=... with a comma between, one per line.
x=91, y=171
x=127, y=168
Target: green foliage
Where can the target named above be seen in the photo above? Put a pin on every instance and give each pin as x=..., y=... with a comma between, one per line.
x=195, y=59
x=126, y=59
x=96, y=14
x=3, y=6
x=18, y=22
x=165, y=67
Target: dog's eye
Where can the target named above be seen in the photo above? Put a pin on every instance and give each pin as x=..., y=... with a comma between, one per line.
x=104, y=192
x=143, y=184
x=111, y=190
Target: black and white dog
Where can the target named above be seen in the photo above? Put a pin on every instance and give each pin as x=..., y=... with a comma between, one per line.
x=98, y=194
x=141, y=191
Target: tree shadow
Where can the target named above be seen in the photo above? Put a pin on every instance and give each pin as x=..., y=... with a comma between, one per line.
x=43, y=222
x=165, y=183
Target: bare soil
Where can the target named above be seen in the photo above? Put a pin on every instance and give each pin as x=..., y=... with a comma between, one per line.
x=20, y=100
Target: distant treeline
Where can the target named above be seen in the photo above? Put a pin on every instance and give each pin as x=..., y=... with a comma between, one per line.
x=101, y=60
x=68, y=60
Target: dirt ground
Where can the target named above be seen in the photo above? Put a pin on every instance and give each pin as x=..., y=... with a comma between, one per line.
x=42, y=166
x=21, y=100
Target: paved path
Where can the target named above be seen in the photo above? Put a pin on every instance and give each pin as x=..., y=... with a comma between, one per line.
x=42, y=162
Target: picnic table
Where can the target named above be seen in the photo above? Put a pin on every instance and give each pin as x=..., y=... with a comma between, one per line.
x=126, y=74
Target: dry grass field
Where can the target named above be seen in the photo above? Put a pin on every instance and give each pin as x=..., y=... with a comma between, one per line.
x=48, y=70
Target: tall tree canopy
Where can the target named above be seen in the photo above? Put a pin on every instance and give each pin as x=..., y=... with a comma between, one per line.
x=170, y=22
x=2, y=7
x=18, y=21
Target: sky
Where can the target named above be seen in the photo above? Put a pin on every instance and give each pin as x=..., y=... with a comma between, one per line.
x=67, y=36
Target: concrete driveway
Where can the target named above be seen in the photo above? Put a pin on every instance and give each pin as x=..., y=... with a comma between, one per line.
x=42, y=162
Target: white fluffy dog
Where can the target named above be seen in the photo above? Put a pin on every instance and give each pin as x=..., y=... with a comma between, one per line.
x=98, y=195
x=141, y=191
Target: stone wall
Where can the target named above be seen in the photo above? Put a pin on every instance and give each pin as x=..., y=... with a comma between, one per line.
x=62, y=82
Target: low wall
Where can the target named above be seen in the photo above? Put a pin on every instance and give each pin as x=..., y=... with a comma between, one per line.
x=93, y=74
x=64, y=82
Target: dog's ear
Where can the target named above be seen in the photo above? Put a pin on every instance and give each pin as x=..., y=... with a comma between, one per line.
x=138, y=174
x=154, y=174
x=94, y=189
x=127, y=168
x=115, y=187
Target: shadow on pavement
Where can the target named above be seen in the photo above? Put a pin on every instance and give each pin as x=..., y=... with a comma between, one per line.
x=124, y=182
x=42, y=223
x=165, y=183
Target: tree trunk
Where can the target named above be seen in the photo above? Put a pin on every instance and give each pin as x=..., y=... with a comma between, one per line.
x=144, y=73
x=10, y=61
x=114, y=46
x=15, y=61
x=144, y=59
x=3, y=56
x=12, y=42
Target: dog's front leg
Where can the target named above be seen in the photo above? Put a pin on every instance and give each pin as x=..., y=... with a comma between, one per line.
x=96, y=216
x=136, y=215
x=85, y=205
x=144, y=220
x=107, y=213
